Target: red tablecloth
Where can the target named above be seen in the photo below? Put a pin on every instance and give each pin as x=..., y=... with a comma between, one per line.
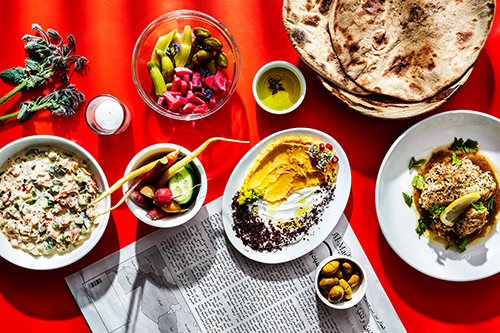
x=106, y=32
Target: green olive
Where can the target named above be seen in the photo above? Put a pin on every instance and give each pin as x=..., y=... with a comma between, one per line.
x=354, y=279
x=331, y=267
x=347, y=288
x=221, y=59
x=327, y=283
x=212, y=44
x=201, y=33
x=204, y=54
x=347, y=267
x=336, y=294
x=211, y=66
x=195, y=60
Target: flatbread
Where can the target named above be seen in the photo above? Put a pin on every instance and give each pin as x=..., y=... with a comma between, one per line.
x=306, y=23
x=409, y=49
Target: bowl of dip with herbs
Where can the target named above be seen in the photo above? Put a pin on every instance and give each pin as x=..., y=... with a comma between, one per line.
x=279, y=87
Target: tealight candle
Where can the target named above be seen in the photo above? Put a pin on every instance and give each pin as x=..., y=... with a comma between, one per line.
x=109, y=115
x=106, y=115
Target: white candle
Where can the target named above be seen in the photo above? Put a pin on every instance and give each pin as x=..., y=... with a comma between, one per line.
x=109, y=115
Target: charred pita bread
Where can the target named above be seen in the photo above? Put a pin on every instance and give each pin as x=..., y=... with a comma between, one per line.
x=409, y=49
x=306, y=23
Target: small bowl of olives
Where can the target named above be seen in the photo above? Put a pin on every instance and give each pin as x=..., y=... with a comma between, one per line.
x=186, y=65
x=340, y=282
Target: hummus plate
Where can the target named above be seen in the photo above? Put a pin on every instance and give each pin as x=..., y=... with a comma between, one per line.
x=398, y=222
x=318, y=232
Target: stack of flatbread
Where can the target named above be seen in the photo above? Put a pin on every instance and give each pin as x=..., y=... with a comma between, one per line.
x=390, y=58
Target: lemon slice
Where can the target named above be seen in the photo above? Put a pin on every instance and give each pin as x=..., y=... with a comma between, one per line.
x=457, y=207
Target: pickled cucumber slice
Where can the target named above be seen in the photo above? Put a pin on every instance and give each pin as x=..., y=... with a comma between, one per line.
x=181, y=184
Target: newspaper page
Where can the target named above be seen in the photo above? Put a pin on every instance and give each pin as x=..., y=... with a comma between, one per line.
x=191, y=279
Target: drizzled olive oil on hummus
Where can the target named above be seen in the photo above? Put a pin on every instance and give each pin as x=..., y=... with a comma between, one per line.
x=285, y=167
x=284, y=192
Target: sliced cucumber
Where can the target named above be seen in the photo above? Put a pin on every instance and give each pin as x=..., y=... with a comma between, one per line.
x=181, y=184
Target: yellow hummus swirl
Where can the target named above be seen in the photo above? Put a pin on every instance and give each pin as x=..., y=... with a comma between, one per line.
x=285, y=166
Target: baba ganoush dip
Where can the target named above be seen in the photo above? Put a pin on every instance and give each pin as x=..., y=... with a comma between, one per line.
x=44, y=201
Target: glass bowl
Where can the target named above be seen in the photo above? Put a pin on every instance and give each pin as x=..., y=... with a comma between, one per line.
x=165, y=24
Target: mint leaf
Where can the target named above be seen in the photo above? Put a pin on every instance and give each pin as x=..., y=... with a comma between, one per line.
x=415, y=163
x=466, y=146
x=455, y=159
x=422, y=226
x=418, y=181
x=408, y=199
x=436, y=211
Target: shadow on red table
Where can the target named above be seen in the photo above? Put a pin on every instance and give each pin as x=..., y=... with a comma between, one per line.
x=454, y=302
x=44, y=294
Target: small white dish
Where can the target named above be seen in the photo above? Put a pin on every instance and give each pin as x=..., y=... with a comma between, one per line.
x=295, y=92
x=149, y=154
x=358, y=292
x=27, y=260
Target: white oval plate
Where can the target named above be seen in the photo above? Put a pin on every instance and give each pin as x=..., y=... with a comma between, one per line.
x=318, y=232
x=398, y=222
x=25, y=259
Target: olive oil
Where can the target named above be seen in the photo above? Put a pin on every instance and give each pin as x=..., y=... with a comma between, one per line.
x=279, y=88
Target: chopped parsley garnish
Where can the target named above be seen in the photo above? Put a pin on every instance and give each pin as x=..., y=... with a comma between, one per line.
x=466, y=146
x=460, y=248
x=418, y=181
x=416, y=163
x=455, y=160
x=436, y=210
x=478, y=205
x=408, y=199
x=490, y=203
x=422, y=226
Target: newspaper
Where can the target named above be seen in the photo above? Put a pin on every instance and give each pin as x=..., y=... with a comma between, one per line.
x=191, y=279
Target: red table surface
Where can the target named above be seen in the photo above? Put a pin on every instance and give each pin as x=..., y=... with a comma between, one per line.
x=106, y=32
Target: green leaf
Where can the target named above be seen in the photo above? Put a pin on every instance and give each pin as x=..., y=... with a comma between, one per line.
x=32, y=66
x=490, y=203
x=408, y=199
x=416, y=163
x=460, y=248
x=25, y=111
x=455, y=159
x=478, y=205
x=467, y=146
x=436, y=211
x=16, y=75
x=34, y=81
x=422, y=226
x=418, y=181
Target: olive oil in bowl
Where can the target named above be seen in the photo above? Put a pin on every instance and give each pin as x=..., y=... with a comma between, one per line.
x=279, y=87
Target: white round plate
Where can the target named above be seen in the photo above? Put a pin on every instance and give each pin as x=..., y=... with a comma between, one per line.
x=318, y=232
x=25, y=259
x=398, y=222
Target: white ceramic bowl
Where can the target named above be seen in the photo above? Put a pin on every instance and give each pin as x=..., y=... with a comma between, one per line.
x=171, y=220
x=279, y=64
x=25, y=259
x=358, y=292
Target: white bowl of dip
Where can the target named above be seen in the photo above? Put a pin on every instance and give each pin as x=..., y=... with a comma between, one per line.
x=26, y=260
